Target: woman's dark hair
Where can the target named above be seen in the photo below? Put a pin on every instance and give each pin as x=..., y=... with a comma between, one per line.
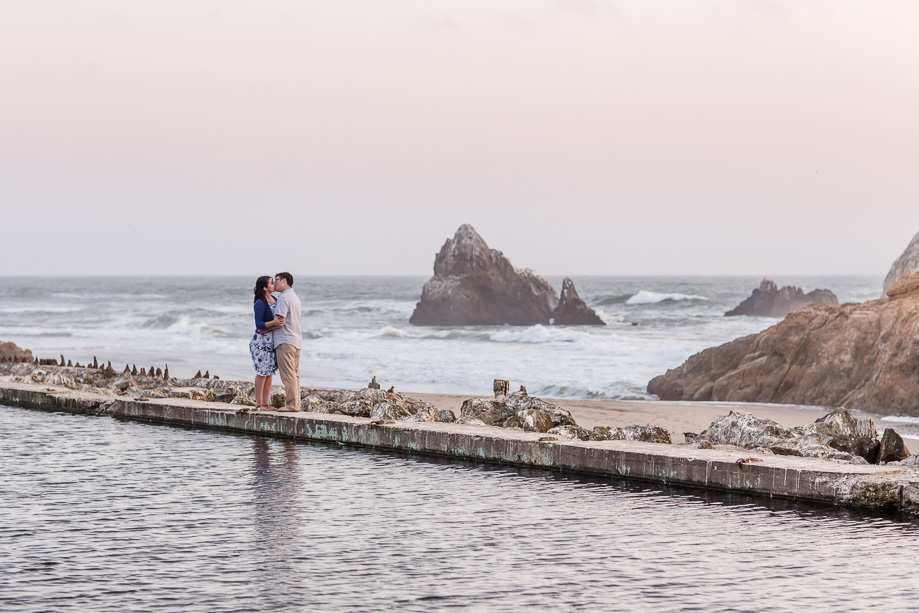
x=261, y=284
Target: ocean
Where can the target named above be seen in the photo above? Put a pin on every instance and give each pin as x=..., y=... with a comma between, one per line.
x=355, y=328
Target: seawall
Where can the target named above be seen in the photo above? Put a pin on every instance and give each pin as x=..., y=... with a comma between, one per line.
x=808, y=479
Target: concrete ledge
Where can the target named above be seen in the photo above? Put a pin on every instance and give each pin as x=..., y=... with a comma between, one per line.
x=809, y=479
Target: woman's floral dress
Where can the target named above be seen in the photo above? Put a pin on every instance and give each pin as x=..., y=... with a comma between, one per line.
x=261, y=347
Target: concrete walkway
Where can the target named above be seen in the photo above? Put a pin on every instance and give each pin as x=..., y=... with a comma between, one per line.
x=809, y=479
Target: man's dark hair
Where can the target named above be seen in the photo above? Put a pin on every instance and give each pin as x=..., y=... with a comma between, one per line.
x=287, y=277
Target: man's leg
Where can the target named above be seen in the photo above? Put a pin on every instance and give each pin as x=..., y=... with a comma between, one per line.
x=289, y=367
x=296, y=369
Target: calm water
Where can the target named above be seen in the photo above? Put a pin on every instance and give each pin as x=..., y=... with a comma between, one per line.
x=101, y=515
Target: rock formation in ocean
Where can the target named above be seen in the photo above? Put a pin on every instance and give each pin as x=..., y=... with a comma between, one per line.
x=862, y=356
x=769, y=301
x=572, y=311
x=906, y=264
x=476, y=285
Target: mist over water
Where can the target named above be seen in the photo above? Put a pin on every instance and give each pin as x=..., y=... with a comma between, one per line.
x=357, y=327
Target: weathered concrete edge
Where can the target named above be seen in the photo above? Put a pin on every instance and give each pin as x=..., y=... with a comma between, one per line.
x=796, y=478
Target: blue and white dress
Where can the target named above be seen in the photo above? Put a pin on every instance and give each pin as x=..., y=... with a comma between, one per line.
x=261, y=346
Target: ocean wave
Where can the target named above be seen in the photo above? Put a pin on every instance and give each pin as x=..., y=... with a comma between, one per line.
x=647, y=297
x=161, y=321
x=537, y=334
x=393, y=332
x=38, y=309
x=614, y=391
x=619, y=299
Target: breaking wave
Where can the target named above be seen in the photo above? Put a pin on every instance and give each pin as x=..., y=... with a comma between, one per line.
x=646, y=297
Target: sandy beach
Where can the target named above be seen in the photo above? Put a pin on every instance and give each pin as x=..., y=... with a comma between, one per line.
x=677, y=417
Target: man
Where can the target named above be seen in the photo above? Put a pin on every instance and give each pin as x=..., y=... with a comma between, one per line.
x=288, y=339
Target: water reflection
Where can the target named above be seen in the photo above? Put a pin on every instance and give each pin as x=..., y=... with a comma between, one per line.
x=167, y=519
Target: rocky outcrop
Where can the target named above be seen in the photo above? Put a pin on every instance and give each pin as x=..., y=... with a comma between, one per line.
x=475, y=285
x=906, y=264
x=769, y=301
x=862, y=356
x=9, y=352
x=572, y=311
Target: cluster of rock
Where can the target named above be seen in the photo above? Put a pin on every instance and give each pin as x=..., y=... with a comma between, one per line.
x=769, y=301
x=517, y=410
x=10, y=353
x=835, y=436
x=863, y=356
x=474, y=285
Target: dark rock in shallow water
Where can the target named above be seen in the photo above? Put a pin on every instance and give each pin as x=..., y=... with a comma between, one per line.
x=572, y=311
x=769, y=301
x=892, y=448
x=474, y=285
x=857, y=446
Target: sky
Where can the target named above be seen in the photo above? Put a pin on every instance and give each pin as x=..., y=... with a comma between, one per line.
x=582, y=137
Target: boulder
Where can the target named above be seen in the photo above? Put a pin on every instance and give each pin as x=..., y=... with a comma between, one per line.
x=863, y=356
x=573, y=432
x=892, y=447
x=862, y=446
x=572, y=311
x=474, y=285
x=10, y=352
x=490, y=412
x=385, y=410
x=520, y=401
x=602, y=433
x=906, y=264
x=644, y=433
x=745, y=430
x=467, y=420
x=530, y=420
x=769, y=301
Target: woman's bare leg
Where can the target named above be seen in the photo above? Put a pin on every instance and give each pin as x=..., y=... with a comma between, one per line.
x=259, y=389
x=267, y=391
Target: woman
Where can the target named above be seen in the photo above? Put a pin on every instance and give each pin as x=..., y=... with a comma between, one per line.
x=262, y=344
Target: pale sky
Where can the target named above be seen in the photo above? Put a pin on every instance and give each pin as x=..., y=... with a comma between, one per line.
x=354, y=136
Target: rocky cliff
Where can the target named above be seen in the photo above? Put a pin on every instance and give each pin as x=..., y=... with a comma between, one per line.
x=769, y=301
x=474, y=285
x=862, y=356
x=907, y=263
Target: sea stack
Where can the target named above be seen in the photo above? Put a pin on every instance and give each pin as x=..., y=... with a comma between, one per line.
x=861, y=356
x=474, y=285
x=572, y=311
x=769, y=301
x=906, y=264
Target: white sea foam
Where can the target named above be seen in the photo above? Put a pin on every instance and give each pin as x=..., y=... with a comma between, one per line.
x=648, y=297
x=537, y=334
